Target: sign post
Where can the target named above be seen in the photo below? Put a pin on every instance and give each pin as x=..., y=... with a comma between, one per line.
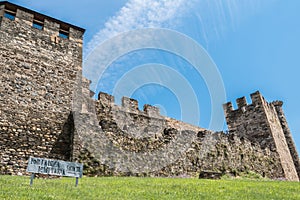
x=54, y=167
x=31, y=179
x=76, y=184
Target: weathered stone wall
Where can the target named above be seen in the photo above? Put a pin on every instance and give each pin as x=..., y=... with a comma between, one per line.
x=130, y=129
x=37, y=75
x=259, y=122
x=225, y=153
x=288, y=135
x=281, y=144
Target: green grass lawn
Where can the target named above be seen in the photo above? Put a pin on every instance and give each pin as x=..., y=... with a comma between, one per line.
x=16, y=187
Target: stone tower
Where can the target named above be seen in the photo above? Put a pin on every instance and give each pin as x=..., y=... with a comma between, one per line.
x=39, y=60
x=265, y=123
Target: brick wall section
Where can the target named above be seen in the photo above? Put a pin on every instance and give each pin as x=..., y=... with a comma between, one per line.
x=259, y=122
x=37, y=75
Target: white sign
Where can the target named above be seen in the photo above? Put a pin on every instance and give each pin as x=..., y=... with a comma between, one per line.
x=54, y=167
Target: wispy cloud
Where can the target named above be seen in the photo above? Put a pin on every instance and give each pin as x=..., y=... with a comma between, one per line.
x=141, y=14
x=203, y=20
x=214, y=17
x=218, y=17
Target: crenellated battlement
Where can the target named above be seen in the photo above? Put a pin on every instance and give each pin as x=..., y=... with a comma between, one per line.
x=277, y=103
x=151, y=111
x=242, y=105
x=129, y=105
x=241, y=102
x=257, y=98
x=106, y=99
x=54, y=27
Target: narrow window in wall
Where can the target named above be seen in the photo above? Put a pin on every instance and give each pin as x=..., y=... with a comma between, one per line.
x=10, y=14
x=64, y=32
x=38, y=22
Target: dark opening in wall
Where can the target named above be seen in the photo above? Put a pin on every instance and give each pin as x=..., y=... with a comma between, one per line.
x=38, y=22
x=10, y=11
x=10, y=14
x=64, y=31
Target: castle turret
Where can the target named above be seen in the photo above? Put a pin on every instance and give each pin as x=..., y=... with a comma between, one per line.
x=264, y=123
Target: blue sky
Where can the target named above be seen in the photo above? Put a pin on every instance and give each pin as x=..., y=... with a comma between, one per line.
x=255, y=45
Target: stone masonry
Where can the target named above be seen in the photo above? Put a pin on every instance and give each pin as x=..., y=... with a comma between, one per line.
x=40, y=65
x=137, y=131
x=38, y=72
x=264, y=123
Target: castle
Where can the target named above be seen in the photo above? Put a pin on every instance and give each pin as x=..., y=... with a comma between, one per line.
x=40, y=62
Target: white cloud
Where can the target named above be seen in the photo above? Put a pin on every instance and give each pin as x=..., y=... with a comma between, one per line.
x=141, y=14
x=211, y=20
x=214, y=17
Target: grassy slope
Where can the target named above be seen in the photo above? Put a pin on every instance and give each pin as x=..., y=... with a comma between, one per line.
x=14, y=187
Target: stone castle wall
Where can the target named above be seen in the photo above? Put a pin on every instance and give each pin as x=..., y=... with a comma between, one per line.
x=37, y=75
x=288, y=135
x=259, y=122
x=132, y=130
x=39, y=80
